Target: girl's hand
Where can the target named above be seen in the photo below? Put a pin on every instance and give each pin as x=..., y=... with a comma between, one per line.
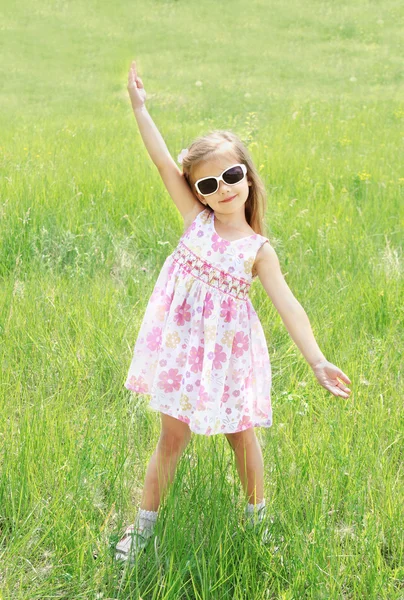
x=328, y=375
x=136, y=90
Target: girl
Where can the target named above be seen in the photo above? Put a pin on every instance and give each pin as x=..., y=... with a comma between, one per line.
x=201, y=353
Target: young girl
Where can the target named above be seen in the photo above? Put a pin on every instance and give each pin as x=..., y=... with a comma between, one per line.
x=201, y=353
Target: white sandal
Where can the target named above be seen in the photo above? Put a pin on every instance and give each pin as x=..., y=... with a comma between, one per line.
x=132, y=542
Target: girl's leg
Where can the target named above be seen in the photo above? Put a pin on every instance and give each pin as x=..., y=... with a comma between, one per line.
x=249, y=462
x=175, y=436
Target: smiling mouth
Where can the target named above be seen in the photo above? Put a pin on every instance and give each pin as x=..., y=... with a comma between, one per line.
x=227, y=199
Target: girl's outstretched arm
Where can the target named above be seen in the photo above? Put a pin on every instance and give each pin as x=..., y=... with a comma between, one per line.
x=151, y=136
x=171, y=175
x=297, y=323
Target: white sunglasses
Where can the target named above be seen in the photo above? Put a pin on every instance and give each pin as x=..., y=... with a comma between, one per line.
x=232, y=175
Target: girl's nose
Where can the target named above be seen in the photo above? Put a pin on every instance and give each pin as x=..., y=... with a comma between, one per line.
x=223, y=185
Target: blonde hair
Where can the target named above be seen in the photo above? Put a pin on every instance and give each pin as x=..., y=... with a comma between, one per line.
x=205, y=147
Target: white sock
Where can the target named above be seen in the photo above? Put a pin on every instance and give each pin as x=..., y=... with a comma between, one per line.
x=255, y=513
x=146, y=519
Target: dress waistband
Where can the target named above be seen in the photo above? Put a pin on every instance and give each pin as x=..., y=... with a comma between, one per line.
x=201, y=269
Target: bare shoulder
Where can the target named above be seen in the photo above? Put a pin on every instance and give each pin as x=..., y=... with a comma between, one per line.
x=189, y=217
x=266, y=255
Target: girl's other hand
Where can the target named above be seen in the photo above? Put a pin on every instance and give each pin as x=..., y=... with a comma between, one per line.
x=329, y=376
x=136, y=90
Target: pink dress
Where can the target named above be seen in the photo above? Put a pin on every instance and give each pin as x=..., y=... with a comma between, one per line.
x=201, y=353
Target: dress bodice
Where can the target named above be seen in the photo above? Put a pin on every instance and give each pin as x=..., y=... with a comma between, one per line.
x=235, y=257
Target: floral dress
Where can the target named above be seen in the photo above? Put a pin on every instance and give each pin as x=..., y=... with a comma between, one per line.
x=201, y=355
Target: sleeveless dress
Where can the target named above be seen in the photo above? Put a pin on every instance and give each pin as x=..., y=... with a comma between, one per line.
x=201, y=353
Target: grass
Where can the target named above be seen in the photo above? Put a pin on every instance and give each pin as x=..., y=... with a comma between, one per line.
x=315, y=91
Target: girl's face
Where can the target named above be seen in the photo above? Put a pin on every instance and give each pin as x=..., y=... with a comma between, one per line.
x=214, y=167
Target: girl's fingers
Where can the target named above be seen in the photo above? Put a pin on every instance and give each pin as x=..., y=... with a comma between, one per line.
x=344, y=377
x=132, y=79
x=336, y=391
x=332, y=389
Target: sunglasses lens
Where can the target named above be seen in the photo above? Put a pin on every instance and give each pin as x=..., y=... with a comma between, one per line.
x=233, y=175
x=208, y=186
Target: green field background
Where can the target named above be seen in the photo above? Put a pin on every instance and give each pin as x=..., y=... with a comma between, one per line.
x=315, y=91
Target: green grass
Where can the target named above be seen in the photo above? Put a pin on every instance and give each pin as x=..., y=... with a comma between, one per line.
x=315, y=91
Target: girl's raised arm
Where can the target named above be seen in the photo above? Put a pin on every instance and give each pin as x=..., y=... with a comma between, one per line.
x=171, y=175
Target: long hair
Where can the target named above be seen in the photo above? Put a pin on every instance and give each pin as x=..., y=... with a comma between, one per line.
x=205, y=147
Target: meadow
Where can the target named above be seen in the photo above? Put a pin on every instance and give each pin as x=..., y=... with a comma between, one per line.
x=315, y=90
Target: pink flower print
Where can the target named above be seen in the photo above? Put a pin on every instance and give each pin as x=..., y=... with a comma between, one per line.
x=196, y=359
x=138, y=384
x=240, y=344
x=156, y=292
x=225, y=395
x=208, y=306
x=244, y=423
x=220, y=356
x=154, y=339
x=238, y=376
x=160, y=312
x=207, y=432
x=200, y=405
x=204, y=272
x=171, y=268
x=185, y=419
x=202, y=399
x=219, y=244
x=167, y=300
x=188, y=231
x=248, y=380
x=170, y=381
x=182, y=313
x=181, y=359
x=228, y=411
x=229, y=309
x=243, y=322
x=200, y=233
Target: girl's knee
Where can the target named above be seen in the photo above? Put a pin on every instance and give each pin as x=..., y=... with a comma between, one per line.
x=241, y=439
x=175, y=434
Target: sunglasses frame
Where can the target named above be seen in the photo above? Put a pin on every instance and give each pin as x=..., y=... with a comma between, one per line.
x=220, y=178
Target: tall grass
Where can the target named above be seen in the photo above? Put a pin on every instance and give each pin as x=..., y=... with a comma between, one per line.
x=315, y=91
